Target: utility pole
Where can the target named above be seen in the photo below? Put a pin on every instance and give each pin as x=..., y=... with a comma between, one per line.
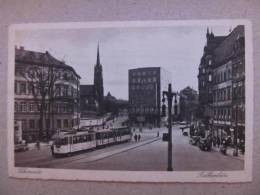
x=169, y=95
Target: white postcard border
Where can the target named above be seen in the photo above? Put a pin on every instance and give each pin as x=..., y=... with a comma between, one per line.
x=135, y=176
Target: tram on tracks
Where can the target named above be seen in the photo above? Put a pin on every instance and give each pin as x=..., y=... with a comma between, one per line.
x=67, y=143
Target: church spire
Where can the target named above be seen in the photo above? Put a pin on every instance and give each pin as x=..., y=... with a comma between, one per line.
x=98, y=59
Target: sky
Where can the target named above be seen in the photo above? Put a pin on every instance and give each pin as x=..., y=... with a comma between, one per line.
x=177, y=49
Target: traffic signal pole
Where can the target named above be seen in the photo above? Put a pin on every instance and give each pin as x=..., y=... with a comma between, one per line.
x=169, y=95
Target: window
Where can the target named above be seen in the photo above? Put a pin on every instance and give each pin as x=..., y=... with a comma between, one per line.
x=47, y=122
x=15, y=88
x=24, y=124
x=59, y=123
x=16, y=107
x=31, y=107
x=65, y=123
x=224, y=96
x=228, y=93
x=30, y=88
x=58, y=90
x=203, y=70
x=72, y=122
x=65, y=90
x=31, y=124
x=22, y=88
x=210, y=62
x=23, y=107
x=210, y=77
x=203, y=83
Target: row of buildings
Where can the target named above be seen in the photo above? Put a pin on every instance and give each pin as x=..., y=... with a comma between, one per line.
x=221, y=84
x=48, y=95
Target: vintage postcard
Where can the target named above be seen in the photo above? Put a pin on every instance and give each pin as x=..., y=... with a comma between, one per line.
x=139, y=101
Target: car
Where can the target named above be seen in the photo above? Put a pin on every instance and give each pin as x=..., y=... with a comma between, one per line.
x=21, y=147
x=194, y=140
x=205, y=144
x=185, y=132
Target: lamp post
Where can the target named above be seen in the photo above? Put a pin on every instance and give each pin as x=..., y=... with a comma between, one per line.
x=169, y=95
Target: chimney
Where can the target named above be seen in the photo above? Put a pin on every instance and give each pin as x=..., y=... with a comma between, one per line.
x=22, y=48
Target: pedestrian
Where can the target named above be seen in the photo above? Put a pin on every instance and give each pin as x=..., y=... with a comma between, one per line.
x=139, y=137
x=135, y=137
x=218, y=142
x=158, y=134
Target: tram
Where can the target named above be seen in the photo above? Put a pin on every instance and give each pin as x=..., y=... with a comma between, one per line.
x=67, y=143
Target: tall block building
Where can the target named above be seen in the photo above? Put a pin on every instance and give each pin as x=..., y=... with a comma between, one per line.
x=145, y=94
x=221, y=81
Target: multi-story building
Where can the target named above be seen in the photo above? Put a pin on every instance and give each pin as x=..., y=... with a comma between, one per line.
x=225, y=103
x=145, y=94
x=188, y=104
x=205, y=74
x=46, y=95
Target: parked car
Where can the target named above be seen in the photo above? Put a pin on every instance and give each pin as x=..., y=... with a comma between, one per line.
x=185, y=131
x=205, y=144
x=22, y=146
x=194, y=140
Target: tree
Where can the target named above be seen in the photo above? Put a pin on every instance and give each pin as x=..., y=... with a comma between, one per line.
x=41, y=80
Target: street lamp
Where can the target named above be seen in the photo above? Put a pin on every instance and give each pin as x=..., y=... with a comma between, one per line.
x=169, y=95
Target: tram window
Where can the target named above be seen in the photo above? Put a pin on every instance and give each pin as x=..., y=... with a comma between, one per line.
x=98, y=136
x=81, y=139
x=74, y=140
x=64, y=141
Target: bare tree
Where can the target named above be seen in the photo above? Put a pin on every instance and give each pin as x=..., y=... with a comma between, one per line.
x=42, y=79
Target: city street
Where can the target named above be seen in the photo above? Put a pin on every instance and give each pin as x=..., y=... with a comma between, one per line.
x=150, y=154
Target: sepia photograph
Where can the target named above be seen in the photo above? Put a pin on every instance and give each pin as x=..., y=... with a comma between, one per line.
x=151, y=101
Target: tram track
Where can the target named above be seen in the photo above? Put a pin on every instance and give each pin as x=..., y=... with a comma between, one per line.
x=92, y=158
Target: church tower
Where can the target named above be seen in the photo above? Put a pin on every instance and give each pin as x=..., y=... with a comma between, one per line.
x=98, y=84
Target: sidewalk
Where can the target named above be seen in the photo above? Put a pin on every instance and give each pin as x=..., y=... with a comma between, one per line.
x=117, y=151
x=230, y=152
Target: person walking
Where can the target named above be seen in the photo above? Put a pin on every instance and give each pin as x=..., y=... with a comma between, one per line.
x=135, y=137
x=139, y=137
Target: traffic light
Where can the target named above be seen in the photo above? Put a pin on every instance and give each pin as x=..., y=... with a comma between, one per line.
x=163, y=110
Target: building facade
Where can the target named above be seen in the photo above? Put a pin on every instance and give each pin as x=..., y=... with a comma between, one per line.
x=188, y=104
x=46, y=95
x=92, y=96
x=222, y=85
x=145, y=94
